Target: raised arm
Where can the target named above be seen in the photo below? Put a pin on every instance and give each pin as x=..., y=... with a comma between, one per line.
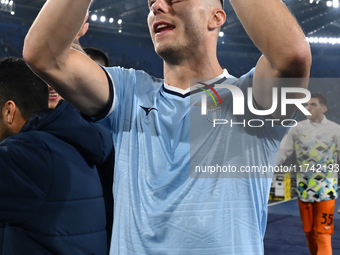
x=276, y=33
x=72, y=74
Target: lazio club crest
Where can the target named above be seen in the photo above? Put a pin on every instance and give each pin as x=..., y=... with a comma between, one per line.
x=214, y=113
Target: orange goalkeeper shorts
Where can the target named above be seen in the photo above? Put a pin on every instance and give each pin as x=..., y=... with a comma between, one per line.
x=317, y=216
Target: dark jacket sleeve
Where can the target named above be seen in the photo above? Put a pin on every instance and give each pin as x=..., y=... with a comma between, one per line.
x=106, y=170
x=25, y=175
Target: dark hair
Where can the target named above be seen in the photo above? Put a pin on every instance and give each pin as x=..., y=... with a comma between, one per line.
x=97, y=54
x=19, y=84
x=322, y=98
x=222, y=3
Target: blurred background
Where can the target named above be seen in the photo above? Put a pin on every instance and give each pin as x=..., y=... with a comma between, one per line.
x=119, y=28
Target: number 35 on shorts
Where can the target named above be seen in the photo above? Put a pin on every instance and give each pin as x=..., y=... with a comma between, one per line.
x=327, y=219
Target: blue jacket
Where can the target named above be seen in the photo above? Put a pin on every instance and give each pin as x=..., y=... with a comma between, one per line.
x=51, y=198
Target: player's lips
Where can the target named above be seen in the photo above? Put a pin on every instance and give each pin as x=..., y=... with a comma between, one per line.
x=161, y=27
x=53, y=95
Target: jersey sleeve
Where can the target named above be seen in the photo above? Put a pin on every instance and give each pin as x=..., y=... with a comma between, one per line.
x=122, y=84
x=128, y=86
x=338, y=143
x=286, y=147
x=24, y=180
x=272, y=132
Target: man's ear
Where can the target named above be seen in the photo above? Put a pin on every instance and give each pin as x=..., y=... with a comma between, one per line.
x=218, y=18
x=324, y=108
x=13, y=117
x=9, y=112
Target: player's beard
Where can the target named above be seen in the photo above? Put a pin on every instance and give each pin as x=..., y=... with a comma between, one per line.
x=181, y=50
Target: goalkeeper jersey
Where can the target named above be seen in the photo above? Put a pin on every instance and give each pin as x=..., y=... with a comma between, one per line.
x=316, y=147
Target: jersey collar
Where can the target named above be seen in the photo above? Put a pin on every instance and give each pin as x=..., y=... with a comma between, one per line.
x=195, y=88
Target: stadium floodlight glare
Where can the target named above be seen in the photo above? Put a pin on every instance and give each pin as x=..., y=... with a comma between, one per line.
x=102, y=19
x=324, y=40
x=120, y=22
x=333, y=3
x=94, y=17
x=7, y=6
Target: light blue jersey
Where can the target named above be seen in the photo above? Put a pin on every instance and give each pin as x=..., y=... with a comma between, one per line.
x=162, y=209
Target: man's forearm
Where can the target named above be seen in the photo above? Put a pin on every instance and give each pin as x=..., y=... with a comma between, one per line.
x=54, y=30
x=276, y=33
x=76, y=77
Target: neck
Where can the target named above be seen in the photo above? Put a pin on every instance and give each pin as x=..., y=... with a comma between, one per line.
x=201, y=65
x=317, y=120
x=180, y=76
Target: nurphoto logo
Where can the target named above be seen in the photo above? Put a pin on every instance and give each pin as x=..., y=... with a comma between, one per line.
x=239, y=105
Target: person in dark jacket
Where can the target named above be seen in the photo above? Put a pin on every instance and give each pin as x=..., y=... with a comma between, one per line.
x=51, y=198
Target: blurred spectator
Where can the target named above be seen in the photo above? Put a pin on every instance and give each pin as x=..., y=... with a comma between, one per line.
x=315, y=145
x=51, y=197
x=97, y=55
